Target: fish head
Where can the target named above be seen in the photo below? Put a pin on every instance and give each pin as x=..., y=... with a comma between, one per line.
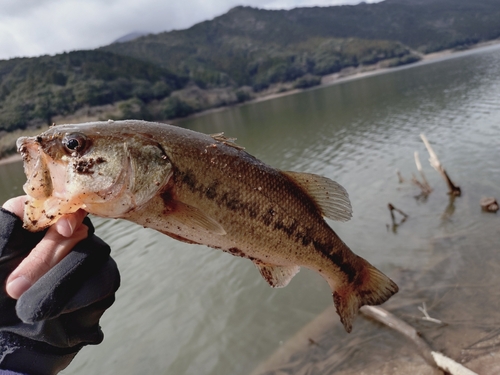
x=102, y=168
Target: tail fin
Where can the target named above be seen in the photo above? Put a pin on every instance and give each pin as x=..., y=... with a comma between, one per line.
x=371, y=287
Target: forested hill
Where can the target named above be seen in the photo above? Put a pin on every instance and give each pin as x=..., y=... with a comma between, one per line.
x=234, y=57
x=34, y=90
x=248, y=45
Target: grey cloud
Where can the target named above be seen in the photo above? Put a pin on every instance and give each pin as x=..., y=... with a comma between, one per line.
x=35, y=27
x=13, y=8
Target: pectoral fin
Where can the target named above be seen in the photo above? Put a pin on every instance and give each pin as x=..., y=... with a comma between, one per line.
x=277, y=276
x=332, y=199
x=186, y=215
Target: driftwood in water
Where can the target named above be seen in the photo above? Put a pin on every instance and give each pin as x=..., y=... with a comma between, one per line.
x=489, y=204
x=436, y=164
x=433, y=358
x=392, y=209
x=424, y=185
x=400, y=177
x=395, y=224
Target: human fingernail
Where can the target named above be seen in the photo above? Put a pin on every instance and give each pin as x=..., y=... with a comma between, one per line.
x=17, y=287
x=65, y=227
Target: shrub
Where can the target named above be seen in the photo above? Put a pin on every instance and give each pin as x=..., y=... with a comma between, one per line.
x=307, y=81
x=176, y=107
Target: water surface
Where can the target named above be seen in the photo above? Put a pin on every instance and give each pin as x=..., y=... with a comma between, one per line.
x=185, y=309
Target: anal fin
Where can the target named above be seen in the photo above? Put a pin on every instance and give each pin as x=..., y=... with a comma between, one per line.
x=277, y=276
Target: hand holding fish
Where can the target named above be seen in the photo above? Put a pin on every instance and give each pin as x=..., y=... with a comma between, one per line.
x=72, y=280
x=55, y=245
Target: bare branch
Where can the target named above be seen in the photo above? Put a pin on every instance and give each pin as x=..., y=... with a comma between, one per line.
x=426, y=316
x=436, y=164
x=424, y=186
x=435, y=359
x=400, y=177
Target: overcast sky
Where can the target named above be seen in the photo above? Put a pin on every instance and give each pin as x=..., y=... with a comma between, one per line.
x=39, y=27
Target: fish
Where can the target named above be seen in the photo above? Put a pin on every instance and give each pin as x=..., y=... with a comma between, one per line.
x=201, y=189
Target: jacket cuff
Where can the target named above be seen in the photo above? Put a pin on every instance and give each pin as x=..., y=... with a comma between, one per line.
x=14, y=239
x=21, y=355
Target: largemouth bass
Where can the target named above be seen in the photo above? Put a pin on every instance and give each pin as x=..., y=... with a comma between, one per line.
x=200, y=189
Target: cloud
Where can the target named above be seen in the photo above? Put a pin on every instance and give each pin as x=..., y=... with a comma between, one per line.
x=37, y=27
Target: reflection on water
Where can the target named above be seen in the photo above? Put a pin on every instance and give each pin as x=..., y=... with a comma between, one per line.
x=189, y=310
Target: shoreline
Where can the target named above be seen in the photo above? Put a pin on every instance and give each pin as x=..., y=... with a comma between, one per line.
x=11, y=159
x=345, y=75
x=350, y=74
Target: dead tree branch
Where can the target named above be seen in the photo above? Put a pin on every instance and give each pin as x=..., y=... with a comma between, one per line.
x=433, y=358
x=436, y=164
x=392, y=209
x=400, y=177
x=424, y=185
x=489, y=204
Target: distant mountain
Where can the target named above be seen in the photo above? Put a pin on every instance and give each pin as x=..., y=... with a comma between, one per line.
x=254, y=47
x=130, y=36
x=246, y=45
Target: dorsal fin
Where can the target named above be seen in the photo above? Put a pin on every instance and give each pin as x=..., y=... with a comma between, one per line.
x=227, y=141
x=277, y=276
x=330, y=196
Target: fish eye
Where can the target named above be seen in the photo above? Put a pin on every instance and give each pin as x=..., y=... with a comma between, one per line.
x=75, y=142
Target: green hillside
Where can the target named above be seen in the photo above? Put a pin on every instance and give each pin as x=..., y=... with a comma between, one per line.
x=239, y=60
x=33, y=90
x=249, y=46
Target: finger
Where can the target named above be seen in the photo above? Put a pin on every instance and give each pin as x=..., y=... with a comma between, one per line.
x=16, y=205
x=49, y=251
x=67, y=224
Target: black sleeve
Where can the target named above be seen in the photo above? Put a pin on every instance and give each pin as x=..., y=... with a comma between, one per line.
x=42, y=331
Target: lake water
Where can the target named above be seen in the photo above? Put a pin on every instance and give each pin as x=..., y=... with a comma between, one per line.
x=185, y=309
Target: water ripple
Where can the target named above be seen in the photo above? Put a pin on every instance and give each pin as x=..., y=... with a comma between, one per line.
x=190, y=310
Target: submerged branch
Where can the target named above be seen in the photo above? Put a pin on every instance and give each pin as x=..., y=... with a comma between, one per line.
x=395, y=224
x=489, y=204
x=424, y=185
x=426, y=316
x=436, y=164
x=392, y=209
x=400, y=177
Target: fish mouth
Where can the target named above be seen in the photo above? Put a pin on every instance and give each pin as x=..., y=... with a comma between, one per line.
x=39, y=183
x=42, y=208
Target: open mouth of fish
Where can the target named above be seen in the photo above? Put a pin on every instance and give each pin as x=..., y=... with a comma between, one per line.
x=45, y=185
x=39, y=182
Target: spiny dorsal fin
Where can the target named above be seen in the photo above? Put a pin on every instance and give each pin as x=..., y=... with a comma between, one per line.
x=330, y=196
x=190, y=216
x=277, y=276
x=227, y=141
